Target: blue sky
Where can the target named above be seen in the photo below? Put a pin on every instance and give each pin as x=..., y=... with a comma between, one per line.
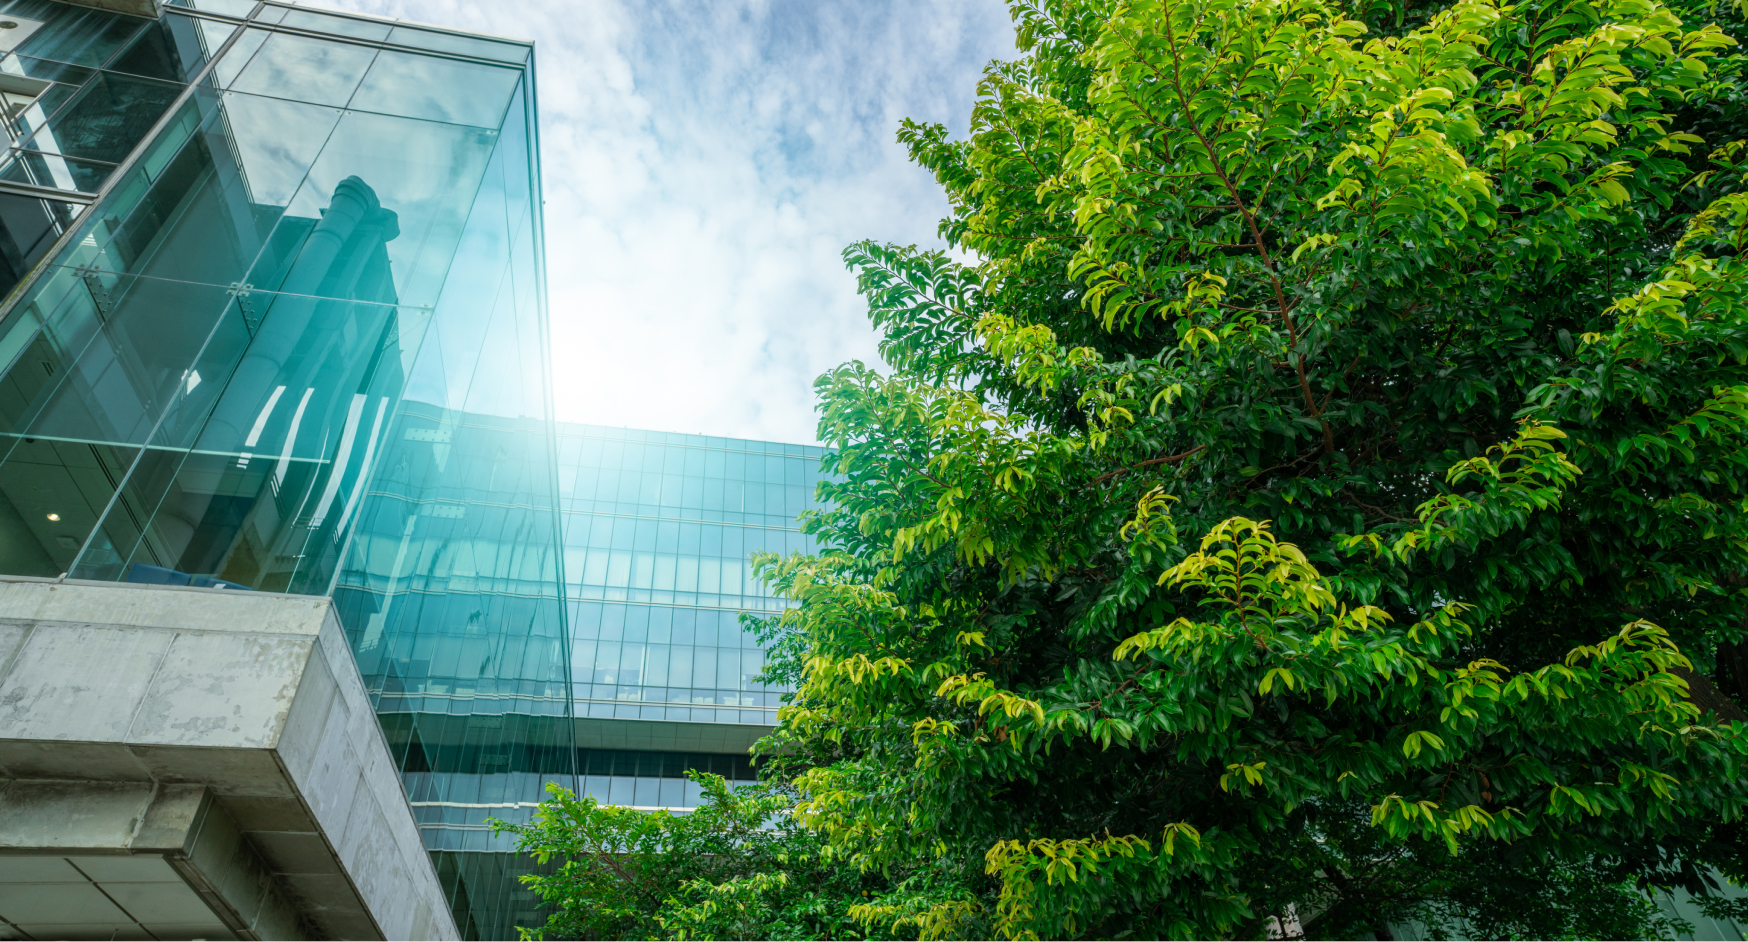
x=705, y=164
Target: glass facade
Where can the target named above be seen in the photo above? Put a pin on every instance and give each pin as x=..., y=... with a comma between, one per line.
x=273, y=319
x=658, y=530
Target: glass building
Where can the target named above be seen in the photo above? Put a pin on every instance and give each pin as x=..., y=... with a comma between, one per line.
x=274, y=320
x=485, y=699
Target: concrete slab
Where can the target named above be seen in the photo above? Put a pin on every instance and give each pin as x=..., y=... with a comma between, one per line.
x=209, y=755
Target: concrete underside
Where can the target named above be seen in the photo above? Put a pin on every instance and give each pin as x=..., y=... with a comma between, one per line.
x=196, y=763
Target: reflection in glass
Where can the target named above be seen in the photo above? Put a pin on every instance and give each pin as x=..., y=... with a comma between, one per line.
x=107, y=118
x=425, y=173
x=483, y=48
x=336, y=25
x=78, y=35
x=33, y=111
x=62, y=173
x=436, y=89
x=72, y=480
x=174, y=48
x=45, y=70
x=303, y=69
x=27, y=228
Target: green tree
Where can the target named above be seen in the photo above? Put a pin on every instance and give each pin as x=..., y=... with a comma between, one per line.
x=1321, y=496
x=737, y=867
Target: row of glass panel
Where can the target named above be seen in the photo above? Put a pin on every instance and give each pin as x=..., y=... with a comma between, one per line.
x=668, y=665
x=607, y=508
x=74, y=123
x=749, y=603
x=600, y=531
x=687, y=459
x=767, y=698
x=575, y=431
x=659, y=624
x=673, y=490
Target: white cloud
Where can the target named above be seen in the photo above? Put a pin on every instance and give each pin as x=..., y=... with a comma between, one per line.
x=705, y=164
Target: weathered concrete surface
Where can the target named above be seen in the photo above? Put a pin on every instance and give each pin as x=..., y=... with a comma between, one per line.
x=114, y=695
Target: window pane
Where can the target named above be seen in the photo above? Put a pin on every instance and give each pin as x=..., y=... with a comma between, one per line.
x=107, y=118
x=45, y=70
x=435, y=89
x=173, y=49
x=62, y=173
x=461, y=45
x=81, y=36
x=339, y=25
x=302, y=69
x=36, y=114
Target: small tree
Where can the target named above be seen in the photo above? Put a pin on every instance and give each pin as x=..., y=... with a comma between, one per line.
x=737, y=867
x=1321, y=496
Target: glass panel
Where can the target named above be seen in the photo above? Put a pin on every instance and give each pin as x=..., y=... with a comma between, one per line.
x=81, y=35
x=461, y=45
x=264, y=496
x=46, y=70
x=174, y=49
x=319, y=71
x=27, y=229
x=51, y=494
x=146, y=335
x=237, y=57
x=338, y=25
x=36, y=111
x=237, y=8
x=62, y=173
x=202, y=201
x=416, y=86
x=108, y=117
x=415, y=180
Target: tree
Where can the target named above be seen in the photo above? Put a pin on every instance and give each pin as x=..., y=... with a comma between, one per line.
x=1321, y=495
x=737, y=867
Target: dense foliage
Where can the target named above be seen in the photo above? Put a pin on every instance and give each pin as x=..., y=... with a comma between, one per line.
x=1316, y=496
x=1321, y=499
x=736, y=868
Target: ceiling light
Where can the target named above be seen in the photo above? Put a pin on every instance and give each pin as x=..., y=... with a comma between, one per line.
x=54, y=516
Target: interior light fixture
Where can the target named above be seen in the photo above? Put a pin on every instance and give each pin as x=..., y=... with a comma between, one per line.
x=54, y=516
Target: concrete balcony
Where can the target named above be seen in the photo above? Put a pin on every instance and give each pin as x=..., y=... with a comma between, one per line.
x=196, y=763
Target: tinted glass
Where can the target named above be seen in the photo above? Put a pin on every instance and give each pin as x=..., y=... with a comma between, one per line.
x=461, y=45
x=37, y=113
x=45, y=70
x=107, y=118
x=174, y=48
x=305, y=69
x=81, y=36
x=27, y=228
x=62, y=173
x=416, y=86
x=336, y=25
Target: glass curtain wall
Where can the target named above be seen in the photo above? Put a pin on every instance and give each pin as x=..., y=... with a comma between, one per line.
x=658, y=531
x=295, y=342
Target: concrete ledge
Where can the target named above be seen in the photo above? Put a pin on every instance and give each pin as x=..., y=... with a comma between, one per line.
x=226, y=733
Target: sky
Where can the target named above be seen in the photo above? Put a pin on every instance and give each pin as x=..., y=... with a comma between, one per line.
x=705, y=163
